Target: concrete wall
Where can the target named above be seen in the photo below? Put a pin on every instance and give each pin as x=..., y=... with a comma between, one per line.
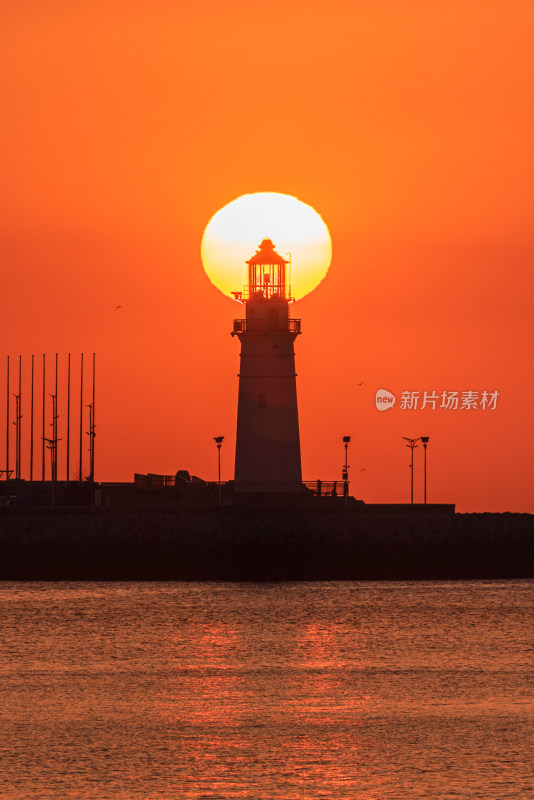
x=157, y=544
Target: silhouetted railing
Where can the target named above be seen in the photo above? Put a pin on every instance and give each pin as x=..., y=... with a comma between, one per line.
x=318, y=488
x=268, y=290
x=326, y=488
x=277, y=487
x=291, y=326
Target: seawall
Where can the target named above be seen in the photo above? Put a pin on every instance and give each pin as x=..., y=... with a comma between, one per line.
x=164, y=544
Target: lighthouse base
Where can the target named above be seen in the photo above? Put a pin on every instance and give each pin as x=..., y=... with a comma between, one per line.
x=267, y=442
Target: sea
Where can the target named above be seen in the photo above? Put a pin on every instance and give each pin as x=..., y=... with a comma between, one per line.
x=345, y=690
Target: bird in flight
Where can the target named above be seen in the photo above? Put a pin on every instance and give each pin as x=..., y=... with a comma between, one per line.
x=117, y=307
x=360, y=384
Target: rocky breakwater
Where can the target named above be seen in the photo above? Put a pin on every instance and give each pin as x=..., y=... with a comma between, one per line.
x=169, y=544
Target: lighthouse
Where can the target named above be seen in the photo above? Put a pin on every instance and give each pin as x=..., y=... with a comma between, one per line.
x=267, y=457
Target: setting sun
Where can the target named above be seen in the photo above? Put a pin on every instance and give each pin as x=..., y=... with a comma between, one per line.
x=235, y=231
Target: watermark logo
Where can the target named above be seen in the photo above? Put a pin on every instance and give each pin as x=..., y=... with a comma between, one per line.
x=448, y=400
x=384, y=400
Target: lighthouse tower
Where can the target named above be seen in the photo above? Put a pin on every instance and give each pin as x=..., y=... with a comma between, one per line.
x=267, y=457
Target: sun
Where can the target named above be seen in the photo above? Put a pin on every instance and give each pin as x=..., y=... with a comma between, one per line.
x=234, y=233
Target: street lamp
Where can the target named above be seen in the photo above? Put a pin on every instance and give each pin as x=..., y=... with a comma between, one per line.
x=346, y=440
x=424, y=440
x=412, y=444
x=218, y=441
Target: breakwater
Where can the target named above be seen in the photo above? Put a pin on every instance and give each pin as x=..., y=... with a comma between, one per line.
x=164, y=544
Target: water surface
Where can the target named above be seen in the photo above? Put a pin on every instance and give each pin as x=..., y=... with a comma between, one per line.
x=295, y=690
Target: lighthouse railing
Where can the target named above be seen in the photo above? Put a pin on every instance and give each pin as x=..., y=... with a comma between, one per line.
x=283, y=326
x=319, y=488
x=267, y=291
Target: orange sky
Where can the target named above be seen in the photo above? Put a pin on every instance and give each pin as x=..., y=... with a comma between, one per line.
x=407, y=125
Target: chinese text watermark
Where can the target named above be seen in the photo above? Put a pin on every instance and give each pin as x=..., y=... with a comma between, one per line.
x=470, y=400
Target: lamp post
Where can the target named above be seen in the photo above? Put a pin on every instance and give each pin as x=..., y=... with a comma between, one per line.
x=346, y=441
x=18, y=417
x=412, y=444
x=424, y=440
x=218, y=441
x=91, y=435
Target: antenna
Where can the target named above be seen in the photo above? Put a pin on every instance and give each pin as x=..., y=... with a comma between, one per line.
x=289, y=272
x=80, y=477
x=68, y=418
x=31, y=422
x=19, y=419
x=7, y=423
x=44, y=411
x=54, y=477
x=93, y=428
x=17, y=422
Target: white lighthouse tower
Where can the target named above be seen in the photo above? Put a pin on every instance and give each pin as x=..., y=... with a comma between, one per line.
x=267, y=455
